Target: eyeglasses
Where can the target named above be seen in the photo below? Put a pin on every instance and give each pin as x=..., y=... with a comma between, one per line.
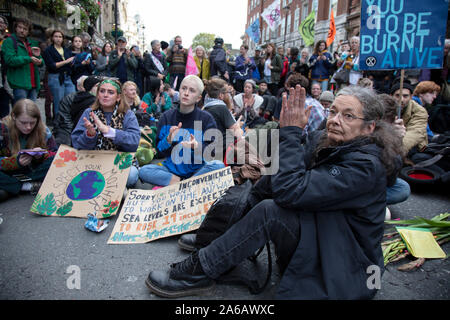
x=346, y=117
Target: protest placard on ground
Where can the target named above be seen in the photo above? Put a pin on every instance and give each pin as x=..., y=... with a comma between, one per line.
x=148, y=215
x=400, y=34
x=80, y=182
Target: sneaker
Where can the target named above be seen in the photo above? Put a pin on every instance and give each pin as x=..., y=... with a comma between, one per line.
x=388, y=214
x=185, y=278
x=187, y=241
x=35, y=186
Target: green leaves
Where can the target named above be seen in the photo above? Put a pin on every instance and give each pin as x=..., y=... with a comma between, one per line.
x=47, y=206
x=65, y=209
x=124, y=160
x=35, y=204
x=395, y=249
x=110, y=208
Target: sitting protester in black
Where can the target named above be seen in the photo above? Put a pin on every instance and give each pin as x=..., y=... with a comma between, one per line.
x=326, y=212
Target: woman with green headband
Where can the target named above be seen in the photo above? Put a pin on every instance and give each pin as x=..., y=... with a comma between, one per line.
x=108, y=124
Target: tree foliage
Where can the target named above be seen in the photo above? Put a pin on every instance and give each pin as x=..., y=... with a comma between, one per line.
x=203, y=39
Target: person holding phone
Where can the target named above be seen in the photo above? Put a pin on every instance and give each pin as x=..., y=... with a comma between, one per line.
x=320, y=63
x=22, y=73
x=58, y=61
x=83, y=63
x=23, y=129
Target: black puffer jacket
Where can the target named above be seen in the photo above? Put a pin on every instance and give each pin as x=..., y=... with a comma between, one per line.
x=341, y=201
x=63, y=125
x=81, y=102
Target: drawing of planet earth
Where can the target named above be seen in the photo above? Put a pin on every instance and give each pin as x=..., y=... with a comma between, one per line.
x=85, y=186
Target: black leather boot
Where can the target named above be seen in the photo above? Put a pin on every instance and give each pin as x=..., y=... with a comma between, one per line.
x=185, y=278
x=187, y=241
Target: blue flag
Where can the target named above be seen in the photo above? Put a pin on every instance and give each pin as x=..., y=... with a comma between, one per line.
x=253, y=31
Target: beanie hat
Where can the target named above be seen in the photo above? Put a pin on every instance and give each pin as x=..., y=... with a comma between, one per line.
x=327, y=96
x=90, y=82
x=406, y=85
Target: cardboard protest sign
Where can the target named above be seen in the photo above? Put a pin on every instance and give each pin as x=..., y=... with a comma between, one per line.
x=148, y=215
x=400, y=34
x=80, y=182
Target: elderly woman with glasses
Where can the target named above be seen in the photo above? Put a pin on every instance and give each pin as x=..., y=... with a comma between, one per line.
x=108, y=125
x=324, y=209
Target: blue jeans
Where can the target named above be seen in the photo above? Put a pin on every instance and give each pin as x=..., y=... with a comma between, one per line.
x=24, y=94
x=58, y=90
x=266, y=221
x=399, y=192
x=133, y=177
x=161, y=176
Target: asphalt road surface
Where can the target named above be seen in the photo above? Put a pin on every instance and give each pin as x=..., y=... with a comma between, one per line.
x=58, y=258
x=40, y=257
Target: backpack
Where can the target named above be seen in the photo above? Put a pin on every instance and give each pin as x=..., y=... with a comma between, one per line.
x=225, y=212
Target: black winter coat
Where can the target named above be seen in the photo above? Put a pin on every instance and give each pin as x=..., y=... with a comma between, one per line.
x=151, y=69
x=341, y=201
x=63, y=126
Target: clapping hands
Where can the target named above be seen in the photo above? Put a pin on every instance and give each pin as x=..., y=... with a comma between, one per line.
x=90, y=127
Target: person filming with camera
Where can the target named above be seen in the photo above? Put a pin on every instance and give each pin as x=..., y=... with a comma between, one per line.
x=177, y=59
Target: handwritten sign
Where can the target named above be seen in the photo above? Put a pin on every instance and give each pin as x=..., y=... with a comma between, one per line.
x=400, y=34
x=83, y=181
x=148, y=215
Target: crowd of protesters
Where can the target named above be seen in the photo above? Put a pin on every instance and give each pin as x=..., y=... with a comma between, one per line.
x=343, y=138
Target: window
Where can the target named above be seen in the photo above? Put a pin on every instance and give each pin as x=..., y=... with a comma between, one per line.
x=297, y=18
x=288, y=24
x=304, y=11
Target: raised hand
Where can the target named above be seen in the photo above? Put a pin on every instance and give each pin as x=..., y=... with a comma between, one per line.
x=90, y=129
x=103, y=128
x=173, y=132
x=191, y=144
x=293, y=112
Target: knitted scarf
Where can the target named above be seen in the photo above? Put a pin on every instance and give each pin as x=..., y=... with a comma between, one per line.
x=104, y=143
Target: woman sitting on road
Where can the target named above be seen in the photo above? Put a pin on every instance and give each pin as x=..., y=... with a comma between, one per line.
x=24, y=130
x=326, y=215
x=157, y=99
x=108, y=125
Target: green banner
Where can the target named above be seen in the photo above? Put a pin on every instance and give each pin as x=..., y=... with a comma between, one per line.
x=306, y=29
